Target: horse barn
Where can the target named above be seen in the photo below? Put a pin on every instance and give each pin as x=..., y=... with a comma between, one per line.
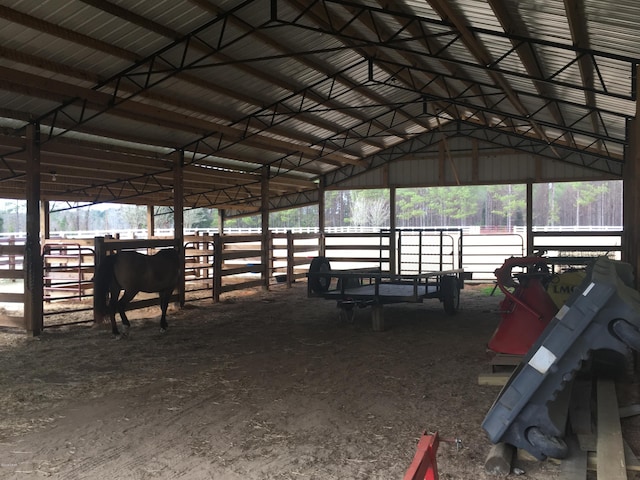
x=256, y=106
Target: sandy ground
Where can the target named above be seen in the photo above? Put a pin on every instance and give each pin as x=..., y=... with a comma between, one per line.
x=263, y=385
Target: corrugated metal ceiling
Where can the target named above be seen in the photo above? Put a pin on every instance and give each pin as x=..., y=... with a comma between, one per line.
x=317, y=90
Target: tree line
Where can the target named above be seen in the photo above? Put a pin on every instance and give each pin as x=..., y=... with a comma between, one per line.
x=503, y=206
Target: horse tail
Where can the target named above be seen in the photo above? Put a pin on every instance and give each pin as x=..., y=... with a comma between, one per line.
x=101, y=282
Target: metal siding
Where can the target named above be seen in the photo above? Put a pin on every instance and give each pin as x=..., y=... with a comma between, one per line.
x=320, y=86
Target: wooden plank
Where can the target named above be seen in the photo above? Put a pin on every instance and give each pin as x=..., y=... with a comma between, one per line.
x=17, y=250
x=610, y=448
x=630, y=458
x=574, y=467
x=12, y=297
x=629, y=411
x=12, y=274
x=494, y=379
x=580, y=414
x=506, y=359
x=11, y=321
x=592, y=462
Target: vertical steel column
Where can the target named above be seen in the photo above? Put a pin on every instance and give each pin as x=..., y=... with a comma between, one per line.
x=33, y=268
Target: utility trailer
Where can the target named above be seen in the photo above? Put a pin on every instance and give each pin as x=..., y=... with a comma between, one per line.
x=411, y=252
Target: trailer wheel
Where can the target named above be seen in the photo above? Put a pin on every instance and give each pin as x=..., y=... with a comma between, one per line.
x=450, y=294
x=553, y=447
x=319, y=283
x=627, y=333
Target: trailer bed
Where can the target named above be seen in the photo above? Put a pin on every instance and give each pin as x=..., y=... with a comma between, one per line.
x=371, y=287
x=385, y=292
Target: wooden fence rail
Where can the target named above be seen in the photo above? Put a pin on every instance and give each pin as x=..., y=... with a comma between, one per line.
x=216, y=264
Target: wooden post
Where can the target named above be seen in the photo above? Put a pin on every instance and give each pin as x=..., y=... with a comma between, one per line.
x=392, y=231
x=33, y=283
x=270, y=257
x=99, y=252
x=151, y=222
x=264, y=210
x=220, y=221
x=45, y=220
x=631, y=189
x=290, y=258
x=178, y=218
x=499, y=460
x=377, y=317
x=529, y=219
x=321, y=219
x=217, y=266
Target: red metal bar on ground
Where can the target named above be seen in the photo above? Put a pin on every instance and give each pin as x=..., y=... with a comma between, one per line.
x=424, y=466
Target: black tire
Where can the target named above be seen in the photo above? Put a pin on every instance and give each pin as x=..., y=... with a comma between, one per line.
x=450, y=294
x=627, y=333
x=319, y=283
x=553, y=447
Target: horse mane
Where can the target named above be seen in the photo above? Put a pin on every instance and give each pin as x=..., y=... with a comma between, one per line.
x=101, y=281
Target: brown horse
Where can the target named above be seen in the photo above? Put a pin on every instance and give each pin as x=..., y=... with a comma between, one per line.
x=134, y=272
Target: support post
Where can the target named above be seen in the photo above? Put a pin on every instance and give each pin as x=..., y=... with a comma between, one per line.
x=178, y=218
x=631, y=195
x=321, y=218
x=377, y=317
x=99, y=252
x=290, y=258
x=392, y=231
x=45, y=220
x=217, y=266
x=151, y=222
x=529, y=218
x=266, y=238
x=220, y=221
x=33, y=283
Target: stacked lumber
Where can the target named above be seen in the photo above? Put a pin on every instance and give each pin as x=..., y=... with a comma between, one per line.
x=595, y=437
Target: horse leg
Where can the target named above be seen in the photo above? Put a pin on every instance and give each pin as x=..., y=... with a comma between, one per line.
x=165, y=295
x=113, y=300
x=122, y=306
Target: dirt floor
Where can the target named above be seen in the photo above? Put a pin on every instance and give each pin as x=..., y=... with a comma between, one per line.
x=263, y=385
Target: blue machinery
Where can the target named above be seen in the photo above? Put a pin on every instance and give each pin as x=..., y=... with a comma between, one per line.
x=603, y=313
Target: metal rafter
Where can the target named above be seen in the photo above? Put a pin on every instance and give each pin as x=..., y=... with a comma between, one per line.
x=495, y=92
x=528, y=58
x=575, y=17
x=494, y=65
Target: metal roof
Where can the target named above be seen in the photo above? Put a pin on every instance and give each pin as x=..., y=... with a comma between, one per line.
x=321, y=91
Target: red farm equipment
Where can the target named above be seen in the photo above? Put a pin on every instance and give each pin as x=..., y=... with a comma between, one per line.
x=531, y=300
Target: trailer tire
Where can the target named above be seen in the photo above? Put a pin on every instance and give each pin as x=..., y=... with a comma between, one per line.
x=450, y=294
x=553, y=447
x=627, y=333
x=319, y=283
